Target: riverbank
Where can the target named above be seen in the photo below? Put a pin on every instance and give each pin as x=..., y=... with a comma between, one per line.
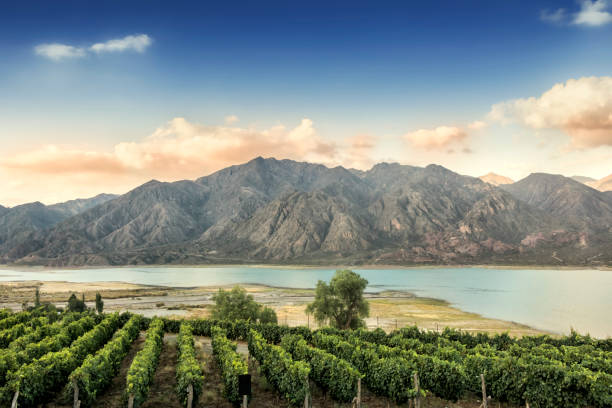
x=388, y=309
x=26, y=268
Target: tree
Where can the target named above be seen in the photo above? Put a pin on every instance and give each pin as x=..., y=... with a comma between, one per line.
x=267, y=315
x=37, y=297
x=76, y=305
x=99, y=303
x=341, y=302
x=235, y=304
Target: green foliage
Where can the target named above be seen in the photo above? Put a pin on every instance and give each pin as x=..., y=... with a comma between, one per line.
x=141, y=372
x=188, y=370
x=99, y=303
x=38, y=380
x=391, y=377
x=331, y=373
x=50, y=338
x=237, y=304
x=288, y=377
x=98, y=370
x=13, y=319
x=4, y=313
x=11, y=334
x=341, y=302
x=230, y=362
x=75, y=304
x=267, y=315
x=543, y=372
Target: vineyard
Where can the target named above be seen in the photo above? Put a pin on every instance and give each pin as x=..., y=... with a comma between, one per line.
x=125, y=360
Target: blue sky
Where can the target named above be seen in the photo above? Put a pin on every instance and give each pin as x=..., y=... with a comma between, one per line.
x=402, y=81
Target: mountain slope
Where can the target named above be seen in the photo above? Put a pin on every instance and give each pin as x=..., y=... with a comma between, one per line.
x=565, y=198
x=283, y=211
x=20, y=222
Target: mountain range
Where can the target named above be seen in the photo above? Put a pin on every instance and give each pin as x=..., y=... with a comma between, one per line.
x=283, y=212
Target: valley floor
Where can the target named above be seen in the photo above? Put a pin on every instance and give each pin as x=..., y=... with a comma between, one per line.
x=388, y=310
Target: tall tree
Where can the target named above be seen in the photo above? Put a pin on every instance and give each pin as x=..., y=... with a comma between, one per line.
x=99, y=303
x=37, y=297
x=341, y=303
x=235, y=304
x=267, y=315
x=75, y=304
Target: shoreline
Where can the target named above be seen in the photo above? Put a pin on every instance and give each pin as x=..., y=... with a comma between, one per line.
x=26, y=268
x=388, y=309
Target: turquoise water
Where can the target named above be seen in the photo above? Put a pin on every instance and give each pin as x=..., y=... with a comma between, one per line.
x=552, y=300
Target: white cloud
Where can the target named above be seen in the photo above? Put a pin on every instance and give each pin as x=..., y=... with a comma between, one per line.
x=593, y=13
x=557, y=16
x=230, y=119
x=477, y=125
x=441, y=137
x=138, y=43
x=581, y=108
x=57, y=52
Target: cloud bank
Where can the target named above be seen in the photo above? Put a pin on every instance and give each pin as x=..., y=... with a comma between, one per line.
x=581, y=108
x=57, y=52
x=180, y=149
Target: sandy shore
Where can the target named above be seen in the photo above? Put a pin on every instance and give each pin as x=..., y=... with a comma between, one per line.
x=388, y=310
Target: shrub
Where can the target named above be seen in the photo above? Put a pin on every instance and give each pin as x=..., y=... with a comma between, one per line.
x=141, y=372
x=188, y=370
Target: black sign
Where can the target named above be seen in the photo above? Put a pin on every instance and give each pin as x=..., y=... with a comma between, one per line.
x=244, y=384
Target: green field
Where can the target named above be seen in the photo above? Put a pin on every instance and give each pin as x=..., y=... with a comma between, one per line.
x=105, y=360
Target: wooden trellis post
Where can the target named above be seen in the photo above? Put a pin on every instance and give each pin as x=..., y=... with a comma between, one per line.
x=15, y=398
x=245, y=401
x=189, y=395
x=75, y=397
x=417, y=388
x=131, y=401
x=485, y=399
x=359, y=392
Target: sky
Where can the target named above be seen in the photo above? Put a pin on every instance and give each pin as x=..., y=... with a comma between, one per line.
x=104, y=96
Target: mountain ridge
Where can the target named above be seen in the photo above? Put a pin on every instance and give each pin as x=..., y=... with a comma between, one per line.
x=283, y=211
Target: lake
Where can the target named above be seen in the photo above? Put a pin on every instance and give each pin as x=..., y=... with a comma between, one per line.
x=553, y=300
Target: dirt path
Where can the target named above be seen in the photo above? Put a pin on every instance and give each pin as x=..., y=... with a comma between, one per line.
x=113, y=396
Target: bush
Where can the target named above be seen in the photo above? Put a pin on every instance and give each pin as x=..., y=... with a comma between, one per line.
x=41, y=378
x=141, y=372
x=98, y=370
x=188, y=370
x=230, y=362
x=21, y=351
x=288, y=377
x=333, y=374
x=267, y=315
x=391, y=377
